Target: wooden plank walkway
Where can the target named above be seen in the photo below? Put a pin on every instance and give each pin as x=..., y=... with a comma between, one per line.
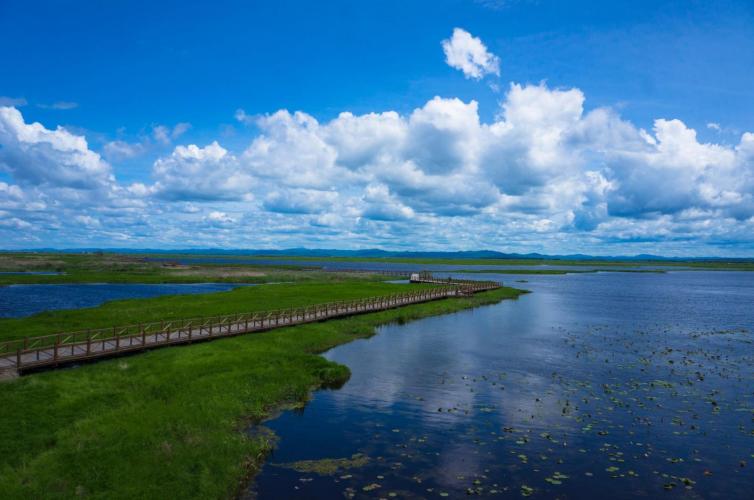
x=381, y=272
x=441, y=281
x=49, y=351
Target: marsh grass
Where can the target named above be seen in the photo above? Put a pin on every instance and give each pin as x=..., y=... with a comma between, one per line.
x=169, y=307
x=171, y=423
x=119, y=268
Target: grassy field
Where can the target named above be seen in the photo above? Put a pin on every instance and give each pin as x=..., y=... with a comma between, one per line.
x=714, y=264
x=132, y=268
x=118, y=268
x=170, y=423
x=239, y=300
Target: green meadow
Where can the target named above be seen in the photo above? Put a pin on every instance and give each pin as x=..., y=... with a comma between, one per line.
x=172, y=422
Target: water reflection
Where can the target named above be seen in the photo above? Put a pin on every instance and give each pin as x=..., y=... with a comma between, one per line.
x=594, y=385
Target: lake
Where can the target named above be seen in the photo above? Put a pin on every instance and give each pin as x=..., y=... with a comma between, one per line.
x=17, y=301
x=30, y=273
x=605, y=385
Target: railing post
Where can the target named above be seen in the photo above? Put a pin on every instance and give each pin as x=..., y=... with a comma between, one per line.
x=246, y=321
x=18, y=358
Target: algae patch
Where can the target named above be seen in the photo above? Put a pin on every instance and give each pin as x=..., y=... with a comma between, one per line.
x=327, y=466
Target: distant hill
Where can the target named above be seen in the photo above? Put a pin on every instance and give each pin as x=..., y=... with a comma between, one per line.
x=377, y=253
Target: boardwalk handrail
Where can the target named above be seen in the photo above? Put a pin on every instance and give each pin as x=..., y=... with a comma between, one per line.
x=454, y=281
x=55, y=349
x=427, y=277
x=381, y=272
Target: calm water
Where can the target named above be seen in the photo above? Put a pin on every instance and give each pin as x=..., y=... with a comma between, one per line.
x=594, y=386
x=33, y=273
x=24, y=300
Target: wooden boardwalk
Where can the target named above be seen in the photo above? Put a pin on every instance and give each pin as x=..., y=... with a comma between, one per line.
x=50, y=351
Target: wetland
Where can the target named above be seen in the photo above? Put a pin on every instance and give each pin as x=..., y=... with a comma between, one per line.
x=619, y=385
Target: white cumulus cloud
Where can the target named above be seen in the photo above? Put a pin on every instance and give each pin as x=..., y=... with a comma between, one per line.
x=469, y=55
x=195, y=173
x=547, y=173
x=36, y=155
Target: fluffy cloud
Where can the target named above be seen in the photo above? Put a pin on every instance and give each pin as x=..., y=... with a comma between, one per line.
x=300, y=201
x=88, y=221
x=469, y=55
x=217, y=218
x=543, y=166
x=443, y=135
x=379, y=204
x=291, y=151
x=195, y=173
x=58, y=187
x=35, y=155
x=165, y=135
x=122, y=150
x=360, y=141
x=545, y=174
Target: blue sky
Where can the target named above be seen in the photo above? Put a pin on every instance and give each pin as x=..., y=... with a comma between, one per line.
x=553, y=145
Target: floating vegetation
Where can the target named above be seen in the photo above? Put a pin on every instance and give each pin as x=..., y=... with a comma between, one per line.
x=327, y=466
x=645, y=408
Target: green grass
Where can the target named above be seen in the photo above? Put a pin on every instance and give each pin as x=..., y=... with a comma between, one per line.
x=170, y=423
x=239, y=300
x=742, y=265
x=117, y=268
x=122, y=268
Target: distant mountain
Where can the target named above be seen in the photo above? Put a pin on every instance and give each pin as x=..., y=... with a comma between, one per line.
x=377, y=253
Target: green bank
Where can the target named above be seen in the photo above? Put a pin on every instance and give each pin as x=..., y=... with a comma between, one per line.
x=743, y=265
x=120, y=268
x=171, y=423
x=240, y=300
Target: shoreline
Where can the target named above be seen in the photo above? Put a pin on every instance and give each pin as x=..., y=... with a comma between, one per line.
x=172, y=422
x=276, y=410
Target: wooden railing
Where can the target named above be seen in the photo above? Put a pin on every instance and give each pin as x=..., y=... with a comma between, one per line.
x=62, y=348
x=450, y=281
x=381, y=272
